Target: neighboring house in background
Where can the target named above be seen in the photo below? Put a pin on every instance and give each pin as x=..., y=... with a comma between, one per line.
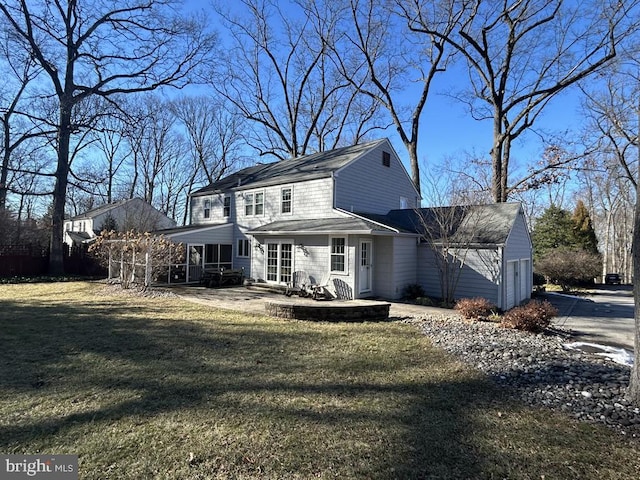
x=122, y=215
x=330, y=214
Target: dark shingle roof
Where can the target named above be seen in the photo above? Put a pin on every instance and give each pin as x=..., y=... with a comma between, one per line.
x=317, y=165
x=323, y=225
x=102, y=209
x=470, y=224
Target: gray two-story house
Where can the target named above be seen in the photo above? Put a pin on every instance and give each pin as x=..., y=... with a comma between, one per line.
x=331, y=215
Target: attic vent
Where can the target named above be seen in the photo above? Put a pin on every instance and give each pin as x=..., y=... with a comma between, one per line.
x=386, y=159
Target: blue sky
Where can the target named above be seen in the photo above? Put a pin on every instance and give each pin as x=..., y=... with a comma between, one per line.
x=448, y=130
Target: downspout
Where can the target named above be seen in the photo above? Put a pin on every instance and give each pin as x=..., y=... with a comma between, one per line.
x=333, y=181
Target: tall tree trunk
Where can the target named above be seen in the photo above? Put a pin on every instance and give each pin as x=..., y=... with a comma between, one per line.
x=56, y=252
x=6, y=155
x=634, y=382
x=412, y=149
x=633, y=393
x=496, y=160
x=504, y=173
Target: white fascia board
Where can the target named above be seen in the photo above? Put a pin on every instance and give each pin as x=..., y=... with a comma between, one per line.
x=203, y=229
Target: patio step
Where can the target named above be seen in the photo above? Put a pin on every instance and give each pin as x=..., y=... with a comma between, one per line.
x=266, y=287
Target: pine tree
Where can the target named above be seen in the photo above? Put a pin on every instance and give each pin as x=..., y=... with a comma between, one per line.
x=554, y=229
x=583, y=232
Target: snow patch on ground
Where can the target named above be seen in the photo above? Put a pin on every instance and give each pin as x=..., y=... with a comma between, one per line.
x=618, y=355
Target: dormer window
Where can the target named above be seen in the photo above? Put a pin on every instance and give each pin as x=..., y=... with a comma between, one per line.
x=207, y=208
x=386, y=159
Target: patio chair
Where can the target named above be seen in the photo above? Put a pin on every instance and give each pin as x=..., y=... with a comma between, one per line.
x=319, y=290
x=298, y=284
x=343, y=290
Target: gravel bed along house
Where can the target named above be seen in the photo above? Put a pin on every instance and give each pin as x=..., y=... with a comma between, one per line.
x=540, y=370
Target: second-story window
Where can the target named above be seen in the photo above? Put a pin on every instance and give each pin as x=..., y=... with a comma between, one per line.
x=226, y=209
x=254, y=203
x=207, y=208
x=286, y=199
x=248, y=204
x=259, y=203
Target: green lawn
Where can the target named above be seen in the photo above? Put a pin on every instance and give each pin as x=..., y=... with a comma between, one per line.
x=159, y=388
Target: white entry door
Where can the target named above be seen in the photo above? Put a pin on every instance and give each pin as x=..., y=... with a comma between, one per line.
x=366, y=271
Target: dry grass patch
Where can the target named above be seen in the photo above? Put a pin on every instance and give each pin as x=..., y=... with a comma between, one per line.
x=160, y=388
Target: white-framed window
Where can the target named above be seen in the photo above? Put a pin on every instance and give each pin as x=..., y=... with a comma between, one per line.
x=248, y=204
x=404, y=203
x=259, y=203
x=279, y=264
x=286, y=200
x=226, y=208
x=207, y=208
x=338, y=246
x=244, y=247
x=253, y=203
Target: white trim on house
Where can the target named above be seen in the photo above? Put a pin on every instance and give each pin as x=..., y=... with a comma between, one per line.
x=344, y=254
x=189, y=230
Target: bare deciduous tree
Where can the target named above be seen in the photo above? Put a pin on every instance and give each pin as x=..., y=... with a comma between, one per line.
x=280, y=75
x=523, y=53
x=158, y=150
x=214, y=135
x=389, y=63
x=615, y=116
x=102, y=48
x=20, y=70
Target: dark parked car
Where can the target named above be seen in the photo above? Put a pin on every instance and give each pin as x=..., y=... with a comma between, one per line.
x=612, y=279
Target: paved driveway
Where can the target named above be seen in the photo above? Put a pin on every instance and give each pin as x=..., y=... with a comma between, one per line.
x=605, y=316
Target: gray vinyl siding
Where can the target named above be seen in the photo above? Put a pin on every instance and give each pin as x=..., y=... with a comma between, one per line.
x=366, y=185
x=428, y=274
x=311, y=199
x=479, y=276
x=394, y=265
x=217, y=209
x=518, y=244
x=405, y=267
x=220, y=235
x=383, y=267
x=310, y=254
